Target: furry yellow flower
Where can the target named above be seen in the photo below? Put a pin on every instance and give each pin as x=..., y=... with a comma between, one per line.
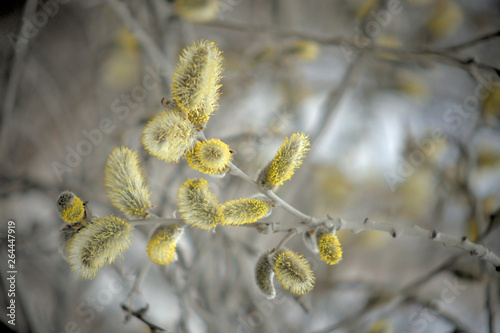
x=293, y=272
x=197, y=205
x=329, y=247
x=195, y=82
x=125, y=184
x=243, y=211
x=163, y=243
x=169, y=135
x=209, y=156
x=97, y=244
x=70, y=207
x=287, y=159
x=198, y=11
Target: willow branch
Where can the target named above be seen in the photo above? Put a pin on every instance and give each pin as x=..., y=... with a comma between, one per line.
x=308, y=222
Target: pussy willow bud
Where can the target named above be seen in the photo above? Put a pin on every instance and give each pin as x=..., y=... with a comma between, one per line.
x=197, y=205
x=97, y=244
x=70, y=207
x=243, y=211
x=445, y=19
x=198, y=11
x=209, y=156
x=162, y=245
x=125, y=184
x=303, y=50
x=293, y=272
x=264, y=275
x=287, y=159
x=169, y=135
x=195, y=82
x=329, y=246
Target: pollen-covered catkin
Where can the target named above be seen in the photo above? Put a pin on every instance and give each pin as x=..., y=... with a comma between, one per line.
x=293, y=272
x=97, y=244
x=163, y=243
x=169, y=135
x=70, y=207
x=329, y=246
x=195, y=82
x=264, y=275
x=209, y=156
x=125, y=183
x=243, y=211
x=287, y=159
x=198, y=11
x=197, y=205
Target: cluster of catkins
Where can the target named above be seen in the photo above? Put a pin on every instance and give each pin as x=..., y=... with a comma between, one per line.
x=90, y=242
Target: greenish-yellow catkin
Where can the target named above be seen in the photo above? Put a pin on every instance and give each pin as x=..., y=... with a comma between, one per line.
x=198, y=11
x=264, y=275
x=195, y=82
x=125, y=183
x=287, y=159
x=97, y=244
x=163, y=243
x=243, y=211
x=169, y=135
x=209, y=156
x=293, y=272
x=71, y=208
x=329, y=246
x=197, y=205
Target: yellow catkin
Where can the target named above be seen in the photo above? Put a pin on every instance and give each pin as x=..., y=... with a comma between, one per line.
x=243, y=211
x=209, y=156
x=287, y=159
x=162, y=245
x=169, y=135
x=97, y=244
x=293, y=272
x=303, y=50
x=197, y=205
x=125, y=183
x=329, y=247
x=445, y=19
x=70, y=207
x=198, y=11
x=195, y=82
x=264, y=275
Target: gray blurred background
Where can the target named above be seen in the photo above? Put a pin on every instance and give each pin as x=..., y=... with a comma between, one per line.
x=404, y=118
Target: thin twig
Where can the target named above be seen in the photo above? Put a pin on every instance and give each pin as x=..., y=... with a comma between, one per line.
x=139, y=314
x=285, y=239
x=473, y=42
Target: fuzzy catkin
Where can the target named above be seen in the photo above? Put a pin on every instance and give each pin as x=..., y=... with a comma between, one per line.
x=195, y=82
x=264, y=275
x=125, y=183
x=293, y=272
x=287, y=159
x=98, y=244
x=70, y=207
x=329, y=246
x=198, y=11
x=163, y=243
x=197, y=205
x=209, y=156
x=243, y=211
x=169, y=135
